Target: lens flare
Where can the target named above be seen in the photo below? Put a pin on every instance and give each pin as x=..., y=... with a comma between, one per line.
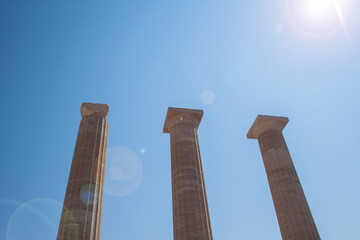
x=35, y=219
x=87, y=194
x=124, y=171
x=279, y=28
x=315, y=18
x=319, y=8
x=207, y=97
x=7, y=207
x=341, y=18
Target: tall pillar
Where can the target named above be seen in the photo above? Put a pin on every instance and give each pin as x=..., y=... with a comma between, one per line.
x=191, y=217
x=292, y=210
x=81, y=215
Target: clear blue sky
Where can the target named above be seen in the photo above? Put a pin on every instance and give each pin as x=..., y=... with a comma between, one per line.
x=140, y=57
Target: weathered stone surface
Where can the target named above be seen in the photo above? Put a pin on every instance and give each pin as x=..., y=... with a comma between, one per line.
x=191, y=217
x=292, y=210
x=91, y=109
x=81, y=215
x=263, y=123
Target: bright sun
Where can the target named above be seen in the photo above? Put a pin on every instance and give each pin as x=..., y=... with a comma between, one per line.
x=320, y=8
x=316, y=18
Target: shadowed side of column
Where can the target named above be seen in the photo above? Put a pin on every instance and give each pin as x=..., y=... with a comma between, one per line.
x=292, y=210
x=190, y=208
x=81, y=215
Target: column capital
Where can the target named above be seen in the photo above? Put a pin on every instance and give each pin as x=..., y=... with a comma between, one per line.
x=90, y=109
x=264, y=122
x=175, y=115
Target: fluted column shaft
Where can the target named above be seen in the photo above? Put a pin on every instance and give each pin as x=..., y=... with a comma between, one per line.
x=81, y=215
x=190, y=208
x=292, y=210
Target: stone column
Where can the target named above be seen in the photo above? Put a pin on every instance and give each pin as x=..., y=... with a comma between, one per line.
x=191, y=218
x=292, y=210
x=81, y=215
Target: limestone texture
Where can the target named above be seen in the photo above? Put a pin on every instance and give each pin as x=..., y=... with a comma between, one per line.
x=191, y=219
x=292, y=210
x=81, y=214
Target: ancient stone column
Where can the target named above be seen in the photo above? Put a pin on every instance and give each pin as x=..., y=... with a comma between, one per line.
x=292, y=210
x=191, y=218
x=81, y=215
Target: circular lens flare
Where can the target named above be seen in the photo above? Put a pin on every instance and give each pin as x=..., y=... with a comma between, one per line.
x=37, y=218
x=124, y=171
x=207, y=97
x=279, y=28
x=88, y=195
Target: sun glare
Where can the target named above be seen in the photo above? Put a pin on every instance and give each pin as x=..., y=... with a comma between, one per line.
x=320, y=8
x=316, y=18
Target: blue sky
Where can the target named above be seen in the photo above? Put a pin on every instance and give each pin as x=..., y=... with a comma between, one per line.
x=140, y=57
